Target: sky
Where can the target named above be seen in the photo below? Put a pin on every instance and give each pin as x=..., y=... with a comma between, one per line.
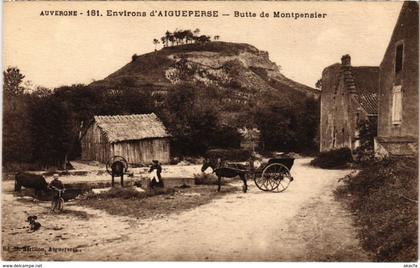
x=52, y=51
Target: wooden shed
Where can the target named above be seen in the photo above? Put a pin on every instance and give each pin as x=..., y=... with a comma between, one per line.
x=139, y=138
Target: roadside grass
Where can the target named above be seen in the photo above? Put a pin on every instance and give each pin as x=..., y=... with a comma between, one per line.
x=141, y=205
x=383, y=196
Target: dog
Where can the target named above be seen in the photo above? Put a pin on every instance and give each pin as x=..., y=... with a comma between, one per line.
x=33, y=224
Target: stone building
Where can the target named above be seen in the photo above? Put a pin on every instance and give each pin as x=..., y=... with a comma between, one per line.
x=399, y=80
x=349, y=94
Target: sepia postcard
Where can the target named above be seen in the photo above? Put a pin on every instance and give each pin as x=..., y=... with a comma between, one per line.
x=233, y=131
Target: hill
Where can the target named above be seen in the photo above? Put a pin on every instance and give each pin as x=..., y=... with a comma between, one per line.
x=240, y=69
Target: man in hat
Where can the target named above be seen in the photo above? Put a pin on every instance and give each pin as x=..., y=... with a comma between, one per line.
x=57, y=186
x=156, y=166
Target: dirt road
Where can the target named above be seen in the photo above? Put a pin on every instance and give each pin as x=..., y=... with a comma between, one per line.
x=304, y=223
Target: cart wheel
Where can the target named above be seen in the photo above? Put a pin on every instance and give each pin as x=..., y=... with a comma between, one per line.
x=114, y=159
x=275, y=177
x=266, y=182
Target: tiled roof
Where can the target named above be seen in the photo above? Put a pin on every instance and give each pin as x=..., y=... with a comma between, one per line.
x=369, y=102
x=131, y=127
x=364, y=81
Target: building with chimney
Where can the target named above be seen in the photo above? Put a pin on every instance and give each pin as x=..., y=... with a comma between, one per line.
x=399, y=84
x=349, y=95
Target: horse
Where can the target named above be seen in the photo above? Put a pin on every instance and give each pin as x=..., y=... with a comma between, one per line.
x=226, y=172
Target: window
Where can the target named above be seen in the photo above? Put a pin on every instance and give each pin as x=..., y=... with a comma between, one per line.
x=396, y=105
x=399, y=53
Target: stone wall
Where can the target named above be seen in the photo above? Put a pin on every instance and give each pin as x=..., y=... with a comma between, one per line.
x=336, y=128
x=406, y=32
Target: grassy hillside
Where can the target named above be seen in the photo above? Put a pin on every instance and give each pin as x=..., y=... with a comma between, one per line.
x=233, y=66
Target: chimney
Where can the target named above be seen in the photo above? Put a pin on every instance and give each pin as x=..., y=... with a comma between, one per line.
x=346, y=60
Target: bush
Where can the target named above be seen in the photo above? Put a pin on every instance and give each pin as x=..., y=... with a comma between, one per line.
x=338, y=158
x=367, y=133
x=384, y=197
x=134, y=57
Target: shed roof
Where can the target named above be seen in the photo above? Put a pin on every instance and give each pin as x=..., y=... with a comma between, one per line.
x=131, y=127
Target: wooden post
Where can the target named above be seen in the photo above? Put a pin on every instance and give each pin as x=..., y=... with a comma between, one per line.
x=112, y=183
x=122, y=179
x=65, y=162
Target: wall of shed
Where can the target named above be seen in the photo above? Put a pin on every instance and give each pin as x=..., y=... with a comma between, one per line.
x=95, y=145
x=143, y=151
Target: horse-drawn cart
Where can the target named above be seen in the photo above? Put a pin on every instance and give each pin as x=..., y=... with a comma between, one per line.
x=272, y=175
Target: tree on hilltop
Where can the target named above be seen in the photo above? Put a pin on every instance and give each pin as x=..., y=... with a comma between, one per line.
x=189, y=36
x=179, y=37
x=155, y=42
x=168, y=35
x=204, y=38
x=163, y=40
x=172, y=39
